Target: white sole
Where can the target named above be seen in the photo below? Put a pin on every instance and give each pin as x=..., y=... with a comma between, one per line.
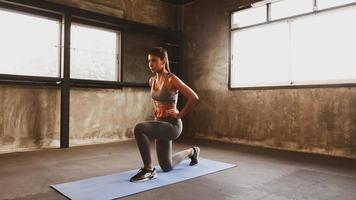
x=198, y=152
x=145, y=179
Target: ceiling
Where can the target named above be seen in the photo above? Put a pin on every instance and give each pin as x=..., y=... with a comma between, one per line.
x=178, y=2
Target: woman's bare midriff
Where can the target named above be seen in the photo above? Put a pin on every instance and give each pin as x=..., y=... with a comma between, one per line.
x=161, y=109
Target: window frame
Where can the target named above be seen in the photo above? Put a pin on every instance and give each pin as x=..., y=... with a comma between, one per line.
x=46, y=16
x=119, y=50
x=33, y=79
x=304, y=84
x=59, y=11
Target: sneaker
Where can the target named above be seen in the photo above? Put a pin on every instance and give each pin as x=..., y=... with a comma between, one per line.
x=195, y=157
x=144, y=174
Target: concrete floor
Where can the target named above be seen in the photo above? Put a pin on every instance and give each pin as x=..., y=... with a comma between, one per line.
x=261, y=173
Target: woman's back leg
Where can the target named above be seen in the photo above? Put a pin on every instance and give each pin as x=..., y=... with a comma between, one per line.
x=166, y=160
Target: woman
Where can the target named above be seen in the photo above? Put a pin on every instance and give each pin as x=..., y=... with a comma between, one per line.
x=167, y=124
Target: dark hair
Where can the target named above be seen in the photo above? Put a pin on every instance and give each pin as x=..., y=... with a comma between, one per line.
x=161, y=53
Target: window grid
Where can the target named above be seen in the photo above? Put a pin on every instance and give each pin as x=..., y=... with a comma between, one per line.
x=268, y=14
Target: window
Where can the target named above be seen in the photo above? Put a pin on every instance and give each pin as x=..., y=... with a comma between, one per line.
x=287, y=8
x=324, y=46
x=322, y=4
x=95, y=53
x=249, y=16
x=259, y=51
x=311, y=49
x=29, y=45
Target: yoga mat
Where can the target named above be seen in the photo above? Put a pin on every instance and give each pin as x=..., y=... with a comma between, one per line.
x=118, y=185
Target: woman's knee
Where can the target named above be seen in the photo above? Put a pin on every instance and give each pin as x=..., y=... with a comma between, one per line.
x=166, y=168
x=164, y=162
x=138, y=128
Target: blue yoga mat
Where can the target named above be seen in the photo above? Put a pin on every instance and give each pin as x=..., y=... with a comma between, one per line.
x=118, y=185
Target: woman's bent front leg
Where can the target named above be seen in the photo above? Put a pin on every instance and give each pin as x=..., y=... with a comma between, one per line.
x=143, y=143
x=164, y=154
x=152, y=129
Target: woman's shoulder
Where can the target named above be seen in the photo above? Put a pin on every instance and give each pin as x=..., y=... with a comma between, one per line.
x=150, y=80
x=172, y=75
x=173, y=78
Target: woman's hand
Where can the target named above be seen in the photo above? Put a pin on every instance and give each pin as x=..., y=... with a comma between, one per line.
x=174, y=113
x=154, y=113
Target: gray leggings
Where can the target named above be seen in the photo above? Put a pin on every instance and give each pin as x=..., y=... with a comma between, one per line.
x=163, y=131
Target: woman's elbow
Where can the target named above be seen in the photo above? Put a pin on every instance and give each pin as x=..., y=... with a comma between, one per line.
x=196, y=98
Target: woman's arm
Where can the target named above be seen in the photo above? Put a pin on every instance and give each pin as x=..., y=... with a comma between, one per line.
x=187, y=92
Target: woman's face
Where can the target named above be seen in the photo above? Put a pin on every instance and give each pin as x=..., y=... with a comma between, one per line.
x=155, y=63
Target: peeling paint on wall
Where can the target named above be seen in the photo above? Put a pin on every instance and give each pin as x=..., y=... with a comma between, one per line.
x=152, y=12
x=107, y=114
x=29, y=117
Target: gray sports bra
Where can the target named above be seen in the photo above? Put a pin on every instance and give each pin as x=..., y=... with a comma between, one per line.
x=164, y=94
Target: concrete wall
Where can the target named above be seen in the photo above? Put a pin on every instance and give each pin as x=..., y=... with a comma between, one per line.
x=30, y=116
x=316, y=120
x=152, y=12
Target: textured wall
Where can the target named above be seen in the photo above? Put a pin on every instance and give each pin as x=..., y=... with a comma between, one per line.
x=153, y=12
x=30, y=116
x=104, y=115
x=318, y=120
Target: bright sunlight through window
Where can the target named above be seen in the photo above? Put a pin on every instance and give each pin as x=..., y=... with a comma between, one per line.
x=94, y=53
x=29, y=45
x=318, y=48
